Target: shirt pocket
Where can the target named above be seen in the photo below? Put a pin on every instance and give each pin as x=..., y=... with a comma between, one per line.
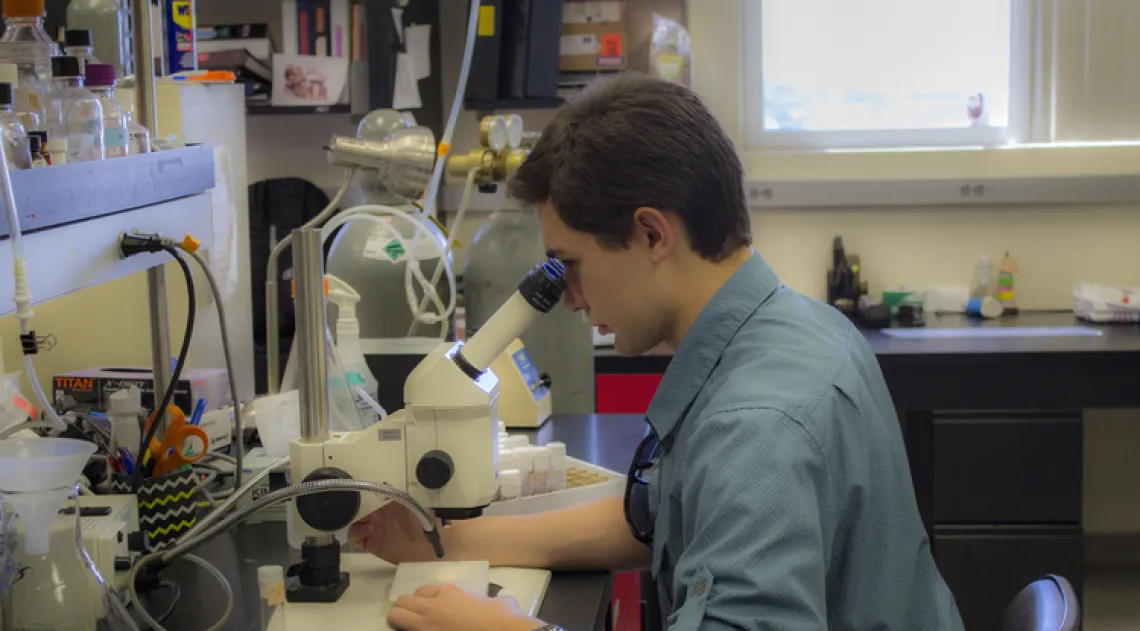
x=691, y=614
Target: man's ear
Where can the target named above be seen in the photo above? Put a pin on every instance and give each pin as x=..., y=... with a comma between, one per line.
x=652, y=229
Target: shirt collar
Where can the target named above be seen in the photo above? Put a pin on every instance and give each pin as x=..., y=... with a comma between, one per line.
x=702, y=347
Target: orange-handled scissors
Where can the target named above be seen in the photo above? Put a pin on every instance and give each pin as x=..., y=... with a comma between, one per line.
x=170, y=453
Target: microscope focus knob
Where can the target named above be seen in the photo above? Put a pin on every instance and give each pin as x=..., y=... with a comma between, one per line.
x=332, y=510
x=435, y=469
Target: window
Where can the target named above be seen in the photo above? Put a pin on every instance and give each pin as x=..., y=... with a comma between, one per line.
x=884, y=73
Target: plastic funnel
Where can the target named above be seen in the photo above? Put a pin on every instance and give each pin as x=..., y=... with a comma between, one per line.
x=36, y=476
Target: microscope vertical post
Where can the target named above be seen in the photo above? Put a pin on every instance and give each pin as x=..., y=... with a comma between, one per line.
x=308, y=274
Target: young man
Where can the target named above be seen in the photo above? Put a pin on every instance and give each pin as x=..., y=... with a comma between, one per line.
x=773, y=490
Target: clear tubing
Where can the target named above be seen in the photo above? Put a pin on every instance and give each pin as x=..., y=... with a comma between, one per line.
x=468, y=189
x=430, y=196
x=23, y=296
x=372, y=212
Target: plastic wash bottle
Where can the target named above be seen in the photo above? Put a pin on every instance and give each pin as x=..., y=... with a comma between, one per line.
x=360, y=378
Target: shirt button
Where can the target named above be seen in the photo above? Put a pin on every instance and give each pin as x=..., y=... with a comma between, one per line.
x=702, y=587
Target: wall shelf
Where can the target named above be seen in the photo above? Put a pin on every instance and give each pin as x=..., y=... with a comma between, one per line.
x=272, y=110
x=512, y=104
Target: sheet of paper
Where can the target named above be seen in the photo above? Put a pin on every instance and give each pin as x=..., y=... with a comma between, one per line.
x=398, y=18
x=406, y=95
x=419, y=47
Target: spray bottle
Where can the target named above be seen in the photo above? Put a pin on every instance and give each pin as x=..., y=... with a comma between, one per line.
x=348, y=347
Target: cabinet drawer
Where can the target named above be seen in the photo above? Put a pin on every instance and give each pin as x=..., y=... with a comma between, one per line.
x=985, y=572
x=625, y=393
x=1007, y=469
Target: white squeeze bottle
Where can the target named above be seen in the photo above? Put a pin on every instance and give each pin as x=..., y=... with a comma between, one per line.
x=348, y=347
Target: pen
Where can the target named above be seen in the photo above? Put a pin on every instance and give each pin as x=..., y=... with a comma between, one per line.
x=128, y=461
x=199, y=409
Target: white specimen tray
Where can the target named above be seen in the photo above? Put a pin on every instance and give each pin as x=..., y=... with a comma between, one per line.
x=365, y=604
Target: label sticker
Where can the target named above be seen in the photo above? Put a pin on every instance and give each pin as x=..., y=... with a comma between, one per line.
x=487, y=20
x=612, y=45
x=529, y=373
x=275, y=594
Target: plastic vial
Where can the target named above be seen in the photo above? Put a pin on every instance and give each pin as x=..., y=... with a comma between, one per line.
x=123, y=412
x=539, y=479
x=26, y=44
x=77, y=43
x=518, y=441
x=271, y=587
x=32, y=119
x=510, y=485
x=74, y=113
x=502, y=427
x=57, y=151
x=526, y=468
x=100, y=79
x=507, y=460
x=15, y=137
x=556, y=476
x=36, y=148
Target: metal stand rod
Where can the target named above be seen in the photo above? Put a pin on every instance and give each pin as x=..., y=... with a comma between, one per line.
x=309, y=303
x=159, y=332
x=146, y=104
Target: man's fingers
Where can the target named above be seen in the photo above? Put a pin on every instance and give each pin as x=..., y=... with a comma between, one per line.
x=402, y=619
x=415, y=604
x=429, y=591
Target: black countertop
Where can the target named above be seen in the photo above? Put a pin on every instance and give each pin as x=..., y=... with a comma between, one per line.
x=574, y=600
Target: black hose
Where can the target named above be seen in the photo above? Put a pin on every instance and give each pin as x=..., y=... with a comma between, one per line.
x=168, y=396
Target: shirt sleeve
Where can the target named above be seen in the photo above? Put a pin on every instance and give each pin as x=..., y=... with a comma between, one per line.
x=751, y=500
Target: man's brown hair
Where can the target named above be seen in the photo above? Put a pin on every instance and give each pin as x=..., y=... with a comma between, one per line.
x=631, y=141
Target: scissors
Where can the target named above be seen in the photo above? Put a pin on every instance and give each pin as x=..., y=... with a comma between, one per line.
x=169, y=454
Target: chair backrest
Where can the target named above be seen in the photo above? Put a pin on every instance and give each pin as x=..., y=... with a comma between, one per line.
x=1047, y=604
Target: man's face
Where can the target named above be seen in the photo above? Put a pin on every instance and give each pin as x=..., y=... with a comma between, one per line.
x=615, y=287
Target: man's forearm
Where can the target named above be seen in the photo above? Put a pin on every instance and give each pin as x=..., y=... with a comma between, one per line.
x=588, y=536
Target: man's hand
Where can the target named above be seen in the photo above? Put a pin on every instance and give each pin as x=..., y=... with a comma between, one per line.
x=449, y=608
x=394, y=534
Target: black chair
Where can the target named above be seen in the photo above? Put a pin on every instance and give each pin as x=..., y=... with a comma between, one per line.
x=1047, y=604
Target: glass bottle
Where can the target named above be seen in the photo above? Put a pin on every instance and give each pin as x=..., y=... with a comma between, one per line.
x=139, y=136
x=100, y=79
x=110, y=29
x=31, y=119
x=26, y=44
x=15, y=136
x=77, y=43
x=36, y=148
x=73, y=113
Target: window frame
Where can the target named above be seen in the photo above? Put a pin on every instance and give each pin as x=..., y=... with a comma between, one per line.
x=756, y=137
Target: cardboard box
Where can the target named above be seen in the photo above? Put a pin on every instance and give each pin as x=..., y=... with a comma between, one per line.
x=594, y=37
x=93, y=387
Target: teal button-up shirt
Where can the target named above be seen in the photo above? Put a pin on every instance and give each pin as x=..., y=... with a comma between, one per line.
x=782, y=499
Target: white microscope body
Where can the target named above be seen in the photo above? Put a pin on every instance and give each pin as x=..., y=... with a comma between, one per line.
x=442, y=448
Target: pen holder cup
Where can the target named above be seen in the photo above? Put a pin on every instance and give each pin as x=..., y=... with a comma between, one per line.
x=166, y=505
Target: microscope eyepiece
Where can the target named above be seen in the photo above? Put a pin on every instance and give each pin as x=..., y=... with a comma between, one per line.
x=543, y=286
